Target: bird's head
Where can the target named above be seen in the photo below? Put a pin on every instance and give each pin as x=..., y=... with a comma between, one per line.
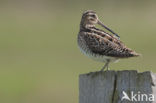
x=89, y=18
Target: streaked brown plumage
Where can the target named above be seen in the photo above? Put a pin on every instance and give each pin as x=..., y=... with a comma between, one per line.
x=98, y=44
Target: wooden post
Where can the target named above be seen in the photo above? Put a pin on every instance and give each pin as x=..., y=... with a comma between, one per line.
x=117, y=87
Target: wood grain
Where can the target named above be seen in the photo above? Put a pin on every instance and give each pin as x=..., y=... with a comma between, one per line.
x=108, y=86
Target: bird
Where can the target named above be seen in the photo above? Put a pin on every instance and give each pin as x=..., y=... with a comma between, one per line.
x=98, y=44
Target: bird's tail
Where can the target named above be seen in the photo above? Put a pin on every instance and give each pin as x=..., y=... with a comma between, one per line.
x=134, y=54
x=129, y=53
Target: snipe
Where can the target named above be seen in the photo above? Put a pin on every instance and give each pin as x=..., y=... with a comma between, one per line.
x=98, y=44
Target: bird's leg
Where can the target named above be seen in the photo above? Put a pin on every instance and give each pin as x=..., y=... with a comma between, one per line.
x=106, y=65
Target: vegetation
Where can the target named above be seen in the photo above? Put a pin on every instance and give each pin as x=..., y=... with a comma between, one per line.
x=39, y=58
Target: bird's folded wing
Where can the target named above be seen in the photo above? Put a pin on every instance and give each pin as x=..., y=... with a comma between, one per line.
x=107, y=45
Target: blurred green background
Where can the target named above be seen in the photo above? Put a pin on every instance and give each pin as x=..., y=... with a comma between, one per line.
x=39, y=58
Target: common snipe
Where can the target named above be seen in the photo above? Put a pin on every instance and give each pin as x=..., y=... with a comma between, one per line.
x=98, y=44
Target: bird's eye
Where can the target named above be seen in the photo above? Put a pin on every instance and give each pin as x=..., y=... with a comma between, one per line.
x=93, y=16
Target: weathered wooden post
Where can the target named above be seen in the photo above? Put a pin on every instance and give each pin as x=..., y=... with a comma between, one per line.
x=117, y=87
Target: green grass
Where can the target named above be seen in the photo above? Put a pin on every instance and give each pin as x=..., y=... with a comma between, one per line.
x=39, y=58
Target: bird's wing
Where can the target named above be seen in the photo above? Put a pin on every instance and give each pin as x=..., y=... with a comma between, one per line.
x=103, y=44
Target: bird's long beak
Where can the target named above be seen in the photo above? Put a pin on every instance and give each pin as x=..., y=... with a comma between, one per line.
x=100, y=23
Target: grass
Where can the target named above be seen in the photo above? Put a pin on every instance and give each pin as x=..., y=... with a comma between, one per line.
x=40, y=61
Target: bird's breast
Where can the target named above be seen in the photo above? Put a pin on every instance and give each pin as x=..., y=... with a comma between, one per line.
x=97, y=57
